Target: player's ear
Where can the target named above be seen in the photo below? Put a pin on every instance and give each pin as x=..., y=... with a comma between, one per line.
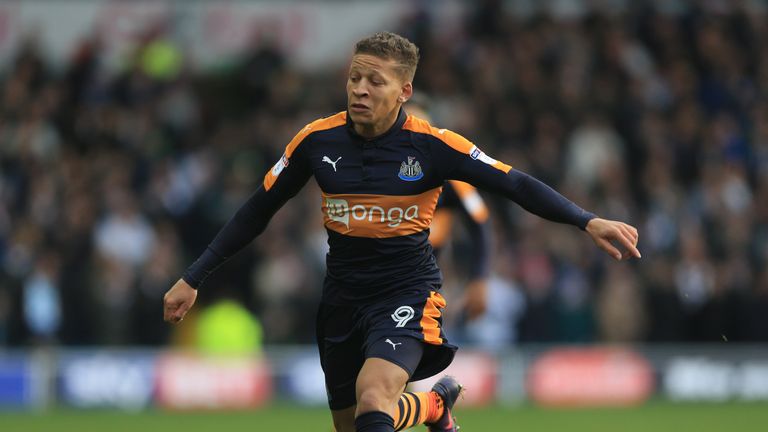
x=406, y=91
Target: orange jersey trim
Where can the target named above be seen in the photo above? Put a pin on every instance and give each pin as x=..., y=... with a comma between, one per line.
x=454, y=140
x=379, y=216
x=333, y=121
x=430, y=326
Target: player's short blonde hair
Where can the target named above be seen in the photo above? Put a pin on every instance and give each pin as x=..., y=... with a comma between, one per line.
x=392, y=46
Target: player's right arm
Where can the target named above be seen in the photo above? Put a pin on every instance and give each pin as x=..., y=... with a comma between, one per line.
x=282, y=182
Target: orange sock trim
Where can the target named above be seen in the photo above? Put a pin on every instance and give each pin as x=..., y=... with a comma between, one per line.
x=414, y=409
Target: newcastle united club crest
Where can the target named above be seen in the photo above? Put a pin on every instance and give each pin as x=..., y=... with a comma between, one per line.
x=410, y=171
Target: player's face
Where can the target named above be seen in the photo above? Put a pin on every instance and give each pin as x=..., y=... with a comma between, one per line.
x=375, y=91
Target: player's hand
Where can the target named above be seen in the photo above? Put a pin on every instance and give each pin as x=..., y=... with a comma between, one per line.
x=605, y=233
x=177, y=301
x=475, y=298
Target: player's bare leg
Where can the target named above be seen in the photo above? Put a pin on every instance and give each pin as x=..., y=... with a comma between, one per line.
x=378, y=389
x=344, y=420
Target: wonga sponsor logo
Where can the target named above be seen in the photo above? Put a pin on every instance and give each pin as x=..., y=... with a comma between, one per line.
x=338, y=210
x=379, y=216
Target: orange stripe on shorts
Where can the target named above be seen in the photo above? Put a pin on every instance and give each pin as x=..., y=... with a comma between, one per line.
x=430, y=326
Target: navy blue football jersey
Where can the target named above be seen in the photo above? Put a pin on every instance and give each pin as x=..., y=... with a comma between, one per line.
x=378, y=198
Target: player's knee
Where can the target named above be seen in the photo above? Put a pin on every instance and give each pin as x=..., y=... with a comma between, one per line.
x=375, y=399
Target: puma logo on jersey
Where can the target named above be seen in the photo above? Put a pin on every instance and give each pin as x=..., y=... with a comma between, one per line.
x=394, y=344
x=333, y=163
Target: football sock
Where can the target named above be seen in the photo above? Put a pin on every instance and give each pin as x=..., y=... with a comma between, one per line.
x=417, y=408
x=374, y=421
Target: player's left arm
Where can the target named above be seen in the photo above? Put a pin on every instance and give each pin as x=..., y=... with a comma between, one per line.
x=467, y=163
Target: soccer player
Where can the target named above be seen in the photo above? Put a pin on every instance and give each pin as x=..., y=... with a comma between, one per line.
x=380, y=173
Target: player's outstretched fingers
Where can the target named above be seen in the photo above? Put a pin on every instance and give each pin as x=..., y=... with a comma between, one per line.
x=633, y=232
x=604, y=232
x=629, y=243
x=608, y=247
x=630, y=232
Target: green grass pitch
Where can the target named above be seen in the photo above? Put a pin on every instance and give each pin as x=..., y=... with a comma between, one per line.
x=652, y=417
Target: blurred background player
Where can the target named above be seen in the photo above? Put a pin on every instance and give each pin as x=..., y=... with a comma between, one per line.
x=461, y=202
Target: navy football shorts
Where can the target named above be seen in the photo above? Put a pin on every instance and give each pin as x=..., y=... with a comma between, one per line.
x=405, y=330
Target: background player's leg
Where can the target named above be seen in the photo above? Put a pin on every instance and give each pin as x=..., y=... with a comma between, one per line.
x=344, y=419
x=378, y=390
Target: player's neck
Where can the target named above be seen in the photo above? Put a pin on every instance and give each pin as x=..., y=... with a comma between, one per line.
x=370, y=131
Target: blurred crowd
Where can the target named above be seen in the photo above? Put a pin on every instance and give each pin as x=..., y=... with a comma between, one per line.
x=112, y=182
